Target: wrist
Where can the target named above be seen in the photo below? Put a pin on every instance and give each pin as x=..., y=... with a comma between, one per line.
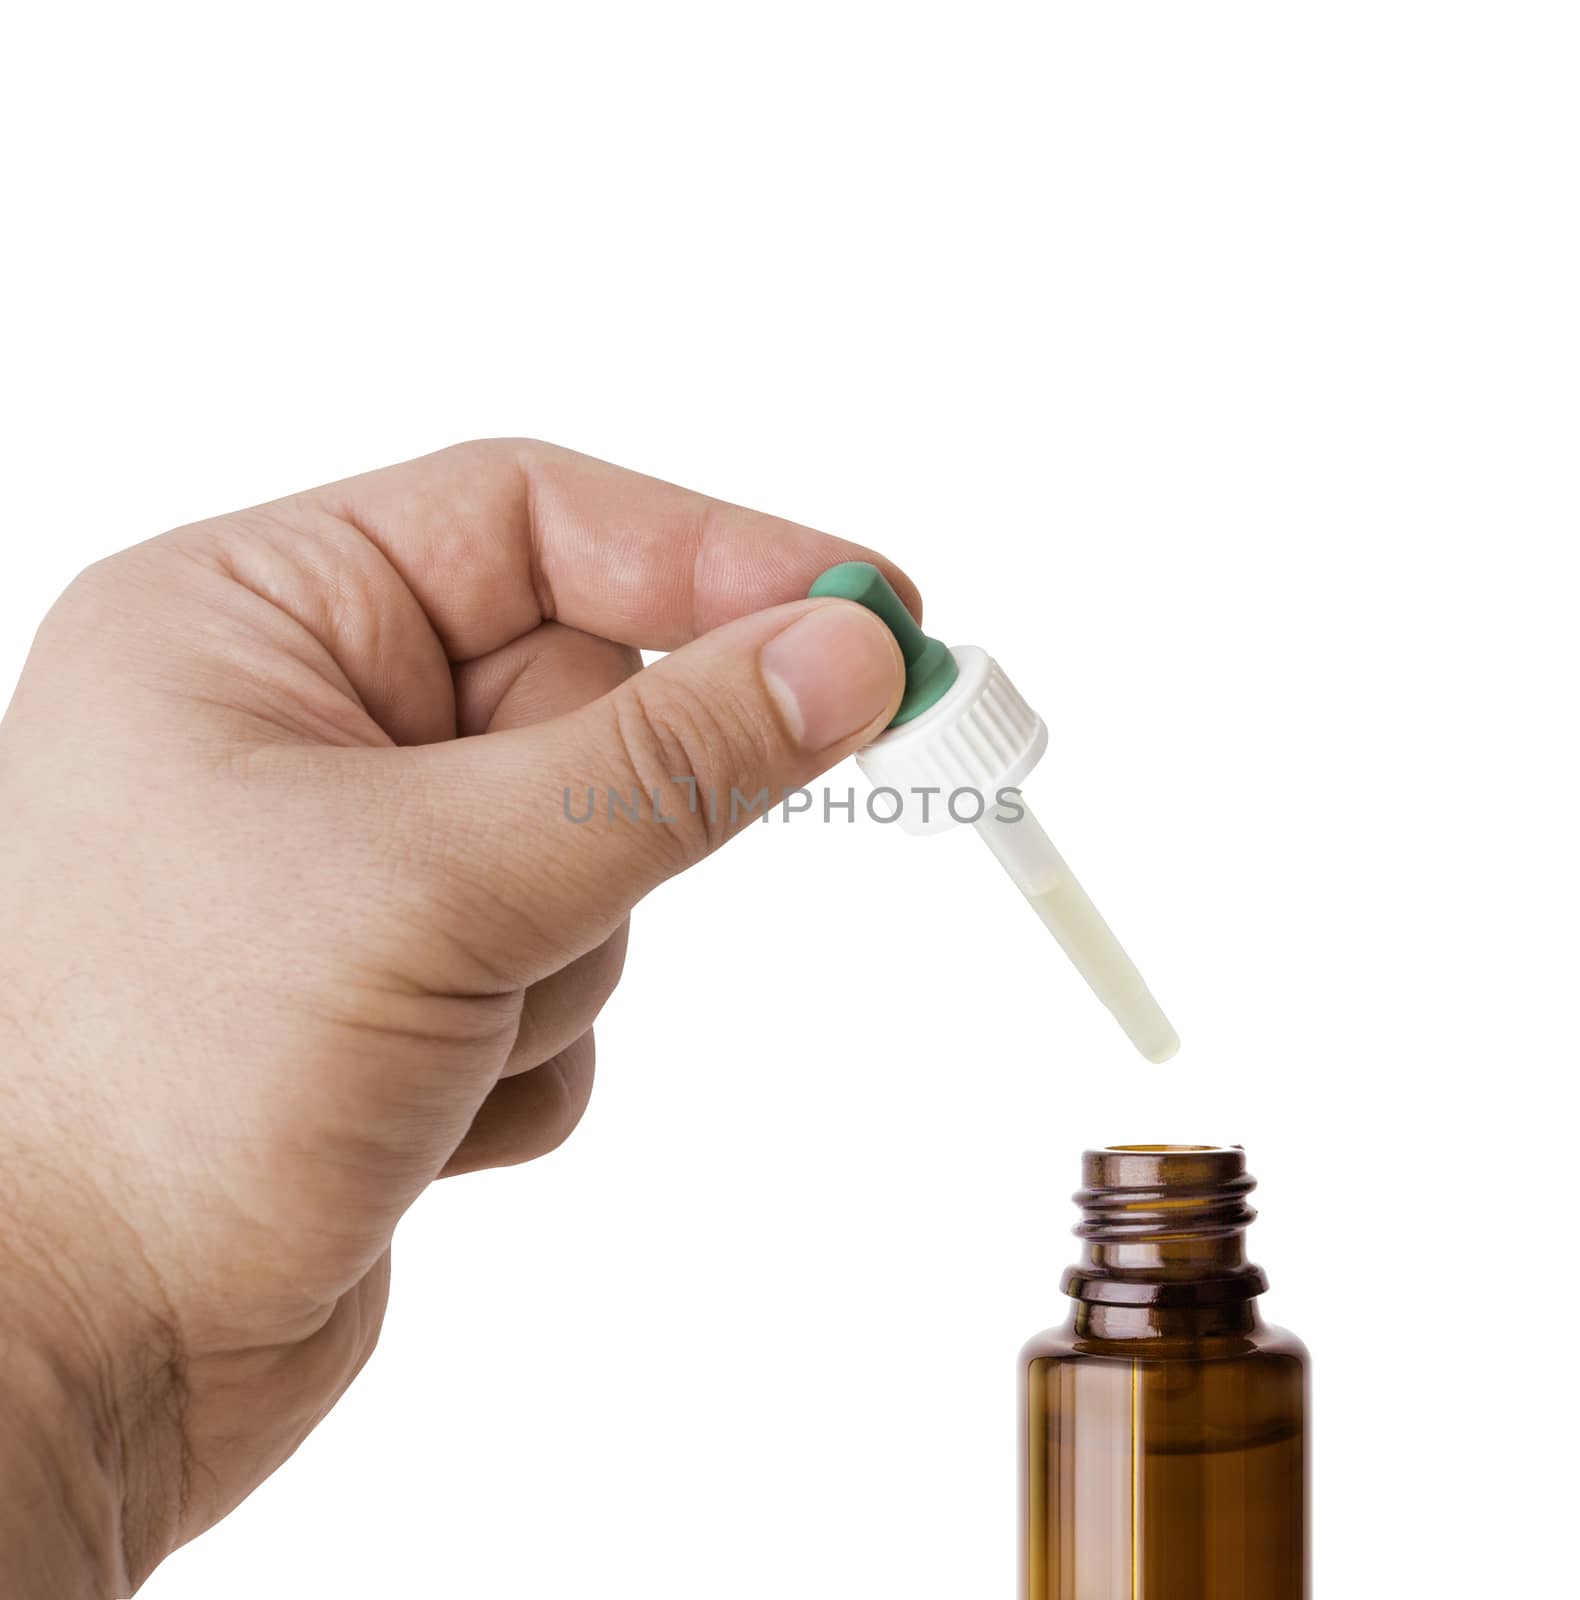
x=92, y=1455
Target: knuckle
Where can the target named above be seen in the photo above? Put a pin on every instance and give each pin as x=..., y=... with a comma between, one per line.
x=508, y=453
x=104, y=592
x=680, y=749
x=126, y=603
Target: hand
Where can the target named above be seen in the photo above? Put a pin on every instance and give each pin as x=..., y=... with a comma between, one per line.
x=298, y=923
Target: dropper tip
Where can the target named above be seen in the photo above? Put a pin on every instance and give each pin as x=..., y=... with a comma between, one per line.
x=1150, y=1031
x=1164, y=1050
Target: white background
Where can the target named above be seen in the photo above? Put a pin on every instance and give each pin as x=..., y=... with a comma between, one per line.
x=1215, y=367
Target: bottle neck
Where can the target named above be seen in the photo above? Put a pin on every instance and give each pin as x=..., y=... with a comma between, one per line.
x=1163, y=1228
x=1183, y=1324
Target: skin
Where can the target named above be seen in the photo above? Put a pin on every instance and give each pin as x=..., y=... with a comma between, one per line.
x=299, y=925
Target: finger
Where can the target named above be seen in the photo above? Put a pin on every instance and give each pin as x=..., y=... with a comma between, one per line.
x=497, y=536
x=529, y=1115
x=542, y=674
x=560, y=1008
x=537, y=860
x=361, y=594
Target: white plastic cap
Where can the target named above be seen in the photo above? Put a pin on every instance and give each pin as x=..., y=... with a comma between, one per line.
x=980, y=737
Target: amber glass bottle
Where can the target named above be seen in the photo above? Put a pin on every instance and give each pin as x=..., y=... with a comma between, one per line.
x=1164, y=1445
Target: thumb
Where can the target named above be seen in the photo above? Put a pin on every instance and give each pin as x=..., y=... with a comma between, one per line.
x=584, y=814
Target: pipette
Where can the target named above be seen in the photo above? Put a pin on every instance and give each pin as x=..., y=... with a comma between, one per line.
x=956, y=752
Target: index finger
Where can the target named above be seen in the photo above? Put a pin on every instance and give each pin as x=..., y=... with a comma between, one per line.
x=496, y=536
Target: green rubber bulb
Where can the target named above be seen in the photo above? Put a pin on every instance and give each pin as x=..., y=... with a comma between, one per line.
x=929, y=667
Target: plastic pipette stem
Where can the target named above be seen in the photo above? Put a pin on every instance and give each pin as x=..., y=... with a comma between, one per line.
x=1028, y=855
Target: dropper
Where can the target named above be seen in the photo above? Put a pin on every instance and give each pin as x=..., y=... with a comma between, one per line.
x=956, y=752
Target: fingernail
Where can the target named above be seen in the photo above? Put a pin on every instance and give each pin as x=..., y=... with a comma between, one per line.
x=832, y=672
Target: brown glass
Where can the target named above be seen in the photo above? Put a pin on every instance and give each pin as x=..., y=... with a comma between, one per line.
x=1164, y=1445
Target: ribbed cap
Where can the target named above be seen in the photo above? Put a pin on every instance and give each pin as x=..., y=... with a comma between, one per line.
x=981, y=738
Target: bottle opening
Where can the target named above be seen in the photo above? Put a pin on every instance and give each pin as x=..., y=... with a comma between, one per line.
x=1147, y=1148
x=1164, y=1224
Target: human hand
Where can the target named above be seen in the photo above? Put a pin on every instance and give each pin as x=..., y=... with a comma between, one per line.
x=298, y=923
